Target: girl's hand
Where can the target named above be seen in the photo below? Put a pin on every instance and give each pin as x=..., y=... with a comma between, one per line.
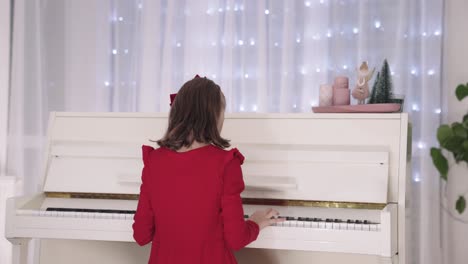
x=265, y=218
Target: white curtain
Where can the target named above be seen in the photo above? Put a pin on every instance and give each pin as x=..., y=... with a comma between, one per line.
x=267, y=56
x=4, y=79
x=6, y=183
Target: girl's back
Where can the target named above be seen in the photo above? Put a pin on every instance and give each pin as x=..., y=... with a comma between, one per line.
x=193, y=200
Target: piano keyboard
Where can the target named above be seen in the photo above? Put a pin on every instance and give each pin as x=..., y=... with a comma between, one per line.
x=305, y=222
x=319, y=229
x=80, y=213
x=328, y=223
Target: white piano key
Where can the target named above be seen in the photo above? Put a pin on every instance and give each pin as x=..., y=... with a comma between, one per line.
x=51, y=213
x=293, y=223
x=343, y=226
x=321, y=225
x=129, y=216
x=67, y=214
x=42, y=213
x=358, y=227
x=107, y=216
x=336, y=225
x=308, y=224
x=365, y=227
x=24, y=212
x=351, y=226
x=86, y=215
x=373, y=227
x=328, y=225
x=315, y=225
x=92, y=215
x=115, y=216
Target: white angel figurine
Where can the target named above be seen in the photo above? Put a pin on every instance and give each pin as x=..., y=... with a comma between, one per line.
x=361, y=91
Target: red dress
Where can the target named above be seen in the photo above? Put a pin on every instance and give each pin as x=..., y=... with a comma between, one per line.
x=190, y=206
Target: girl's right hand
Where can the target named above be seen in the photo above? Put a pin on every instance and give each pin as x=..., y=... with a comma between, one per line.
x=265, y=218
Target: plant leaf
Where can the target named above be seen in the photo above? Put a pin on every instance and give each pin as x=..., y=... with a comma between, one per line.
x=461, y=91
x=453, y=144
x=465, y=121
x=459, y=154
x=444, y=132
x=459, y=130
x=465, y=158
x=461, y=204
x=440, y=162
x=465, y=146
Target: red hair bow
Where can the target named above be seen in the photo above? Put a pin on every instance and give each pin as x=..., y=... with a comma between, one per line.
x=173, y=96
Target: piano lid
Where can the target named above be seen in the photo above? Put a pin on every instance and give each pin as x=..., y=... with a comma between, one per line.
x=288, y=156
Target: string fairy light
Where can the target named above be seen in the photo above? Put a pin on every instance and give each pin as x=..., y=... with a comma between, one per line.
x=377, y=24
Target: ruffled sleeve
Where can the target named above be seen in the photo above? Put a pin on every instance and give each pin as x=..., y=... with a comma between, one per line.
x=146, y=151
x=143, y=225
x=235, y=153
x=237, y=232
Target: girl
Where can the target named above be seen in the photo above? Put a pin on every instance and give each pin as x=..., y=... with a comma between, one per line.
x=190, y=206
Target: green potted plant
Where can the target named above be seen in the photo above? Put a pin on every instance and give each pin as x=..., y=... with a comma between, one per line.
x=453, y=139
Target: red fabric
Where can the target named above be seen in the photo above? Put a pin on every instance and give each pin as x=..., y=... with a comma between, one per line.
x=190, y=206
x=172, y=96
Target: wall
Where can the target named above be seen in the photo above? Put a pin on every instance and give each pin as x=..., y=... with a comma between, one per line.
x=455, y=72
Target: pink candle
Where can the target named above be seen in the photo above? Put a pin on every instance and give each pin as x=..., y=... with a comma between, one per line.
x=341, y=82
x=325, y=95
x=341, y=96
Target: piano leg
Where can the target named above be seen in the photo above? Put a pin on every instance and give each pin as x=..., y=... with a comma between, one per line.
x=20, y=251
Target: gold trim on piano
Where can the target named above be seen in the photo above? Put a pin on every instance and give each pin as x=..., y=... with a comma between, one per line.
x=113, y=196
x=252, y=201
x=323, y=204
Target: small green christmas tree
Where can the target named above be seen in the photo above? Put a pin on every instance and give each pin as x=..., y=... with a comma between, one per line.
x=383, y=86
x=374, y=89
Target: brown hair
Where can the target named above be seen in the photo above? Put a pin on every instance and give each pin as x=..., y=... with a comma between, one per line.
x=194, y=116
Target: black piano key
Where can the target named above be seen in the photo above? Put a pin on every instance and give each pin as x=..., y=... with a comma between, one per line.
x=358, y=222
x=349, y=221
x=290, y=218
x=366, y=222
x=302, y=219
x=328, y=220
x=246, y=216
x=337, y=221
x=81, y=210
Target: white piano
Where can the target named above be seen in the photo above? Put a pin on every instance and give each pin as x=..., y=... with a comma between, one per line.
x=340, y=180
